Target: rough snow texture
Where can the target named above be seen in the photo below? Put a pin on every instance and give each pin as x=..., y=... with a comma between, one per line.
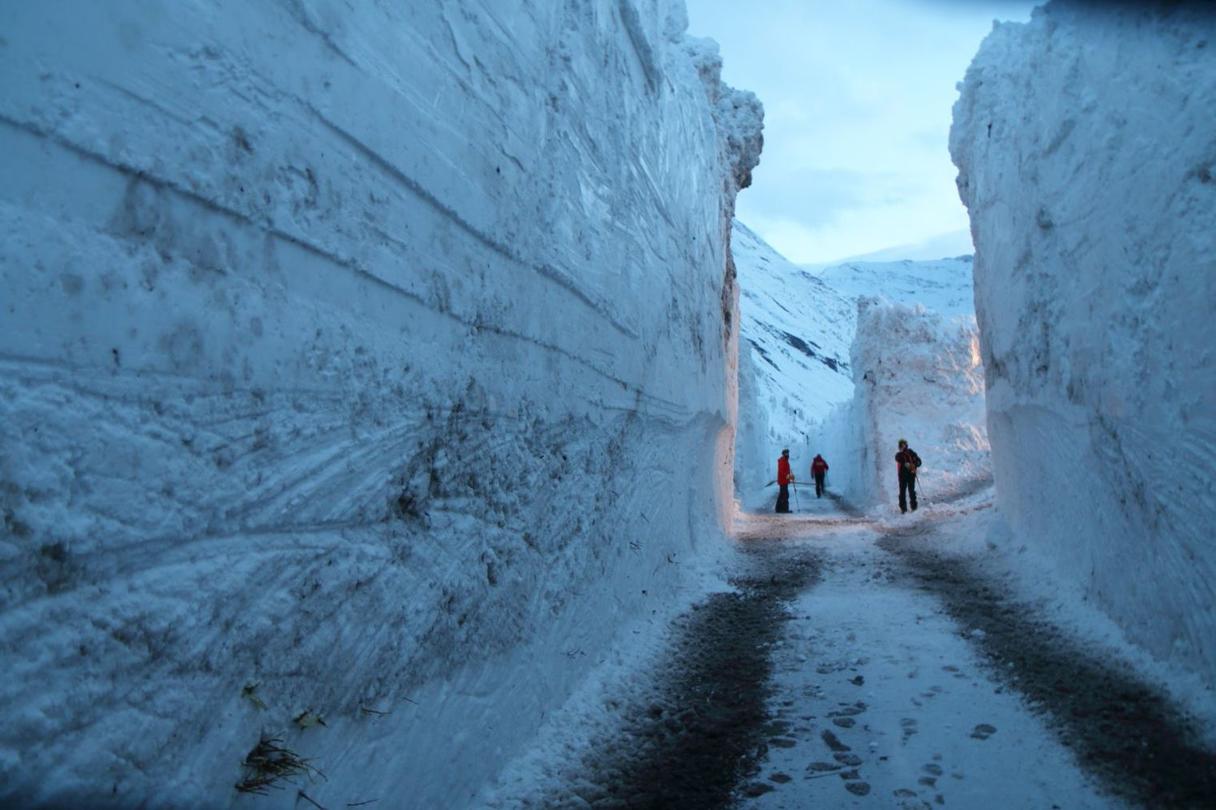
x=1084, y=141
x=917, y=376
x=367, y=360
x=739, y=120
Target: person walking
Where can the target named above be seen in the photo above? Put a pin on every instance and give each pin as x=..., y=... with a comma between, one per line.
x=784, y=478
x=819, y=469
x=908, y=463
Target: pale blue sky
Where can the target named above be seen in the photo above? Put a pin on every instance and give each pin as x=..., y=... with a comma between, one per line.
x=857, y=97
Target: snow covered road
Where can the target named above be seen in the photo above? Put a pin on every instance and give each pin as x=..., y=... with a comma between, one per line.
x=883, y=702
x=857, y=663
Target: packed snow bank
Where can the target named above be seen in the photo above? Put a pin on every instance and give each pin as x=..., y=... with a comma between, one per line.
x=1084, y=145
x=918, y=376
x=371, y=366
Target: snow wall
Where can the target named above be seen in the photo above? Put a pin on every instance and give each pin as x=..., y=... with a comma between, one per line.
x=917, y=375
x=1084, y=142
x=845, y=361
x=369, y=362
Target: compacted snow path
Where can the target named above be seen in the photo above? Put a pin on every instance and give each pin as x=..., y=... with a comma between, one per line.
x=877, y=693
x=854, y=665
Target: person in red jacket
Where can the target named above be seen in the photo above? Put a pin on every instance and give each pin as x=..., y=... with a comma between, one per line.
x=908, y=463
x=784, y=479
x=819, y=468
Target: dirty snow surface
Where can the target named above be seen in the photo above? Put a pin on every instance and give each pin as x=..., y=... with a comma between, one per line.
x=348, y=355
x=867, y=663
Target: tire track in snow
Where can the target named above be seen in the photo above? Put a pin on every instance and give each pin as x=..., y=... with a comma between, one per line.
x=1122, y=729
x=699, y=732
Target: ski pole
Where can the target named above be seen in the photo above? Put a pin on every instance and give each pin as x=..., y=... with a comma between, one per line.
x=797, y=507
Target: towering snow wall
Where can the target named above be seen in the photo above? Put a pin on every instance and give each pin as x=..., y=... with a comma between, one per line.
x=366, y=361
x=917, y=375
x=1086, y=147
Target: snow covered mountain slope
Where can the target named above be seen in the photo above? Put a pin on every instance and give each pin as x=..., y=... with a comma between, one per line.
x=1084, y=145
x=943, y=286
x=795, y=368
x=793, y=355
x=368, y=363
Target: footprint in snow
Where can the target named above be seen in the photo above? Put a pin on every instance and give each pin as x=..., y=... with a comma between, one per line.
x=983, y=731
x=848, y=710
x=833, y=742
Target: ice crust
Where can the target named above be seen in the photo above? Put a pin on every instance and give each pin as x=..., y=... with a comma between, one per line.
x=373, y=360
x=1084, y=146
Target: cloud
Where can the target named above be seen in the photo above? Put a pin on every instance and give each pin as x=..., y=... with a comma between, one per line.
x=858, y=98
x=931, y=139
x=814, y=197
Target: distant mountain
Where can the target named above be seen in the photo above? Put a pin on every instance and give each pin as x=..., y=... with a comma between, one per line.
x=955, y=244
x=942, y=285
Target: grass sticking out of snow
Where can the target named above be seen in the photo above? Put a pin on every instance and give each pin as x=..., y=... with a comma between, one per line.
x=269, y=764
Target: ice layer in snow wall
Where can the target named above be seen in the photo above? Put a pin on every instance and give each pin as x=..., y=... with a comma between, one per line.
x=350, y=355
x=1084, y=141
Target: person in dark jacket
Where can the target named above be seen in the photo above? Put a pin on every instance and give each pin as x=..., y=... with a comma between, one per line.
x=819, y=468
x=908, y=463
x=784, y=479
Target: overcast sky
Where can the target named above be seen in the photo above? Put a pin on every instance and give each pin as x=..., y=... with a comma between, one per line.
x=857, y=97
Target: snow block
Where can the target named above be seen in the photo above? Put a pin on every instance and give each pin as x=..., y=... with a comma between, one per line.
x=1084, y=146
x=917, y=376
x=363, y=362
